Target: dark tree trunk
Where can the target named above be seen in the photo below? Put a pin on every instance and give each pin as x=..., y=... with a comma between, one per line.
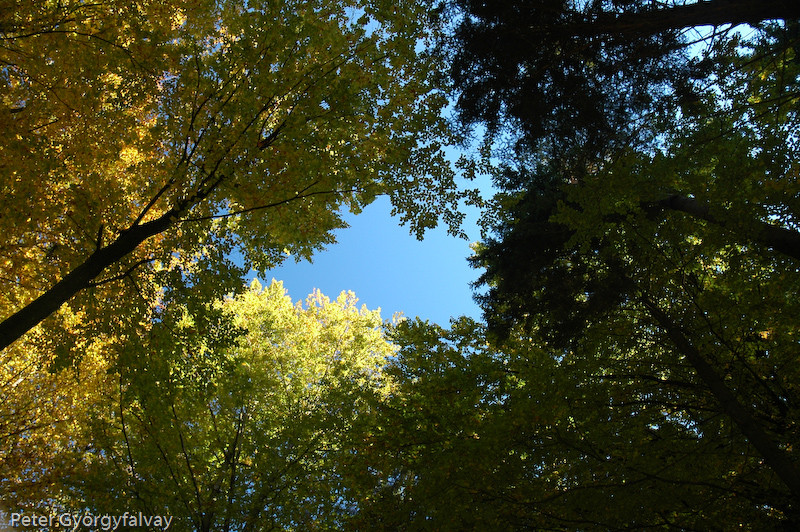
x=28, y=317
x=775, y=457
x=702, y=13
x=780, y=239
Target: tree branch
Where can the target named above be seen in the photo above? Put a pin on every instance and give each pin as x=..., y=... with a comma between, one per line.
x=775, y=457
x=122, y=275
x=81, y=277
x=300, y=195
x=778, y=238
x=701, y=13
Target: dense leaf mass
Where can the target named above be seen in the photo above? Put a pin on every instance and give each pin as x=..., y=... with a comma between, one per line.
x=559, y=82
x=597, y=437
x=135, y=136
x=678, y=248
x=638, y=364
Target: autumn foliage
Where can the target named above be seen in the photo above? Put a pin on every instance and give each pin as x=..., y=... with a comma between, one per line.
x=637, y=367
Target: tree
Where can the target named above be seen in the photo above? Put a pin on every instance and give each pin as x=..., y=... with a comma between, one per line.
x=140, y=137
x=575, y=80
x=250, y=424
x=530, y=437
x=42, y=415
x=679, y=230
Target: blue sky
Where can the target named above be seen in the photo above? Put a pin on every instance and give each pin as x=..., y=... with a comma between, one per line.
x=386, y=267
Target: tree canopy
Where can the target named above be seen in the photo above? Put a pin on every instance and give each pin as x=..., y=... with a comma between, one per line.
x=637, y=367
x=527, y=437
x=247, y=425
x=677, y=229
x=140, y=138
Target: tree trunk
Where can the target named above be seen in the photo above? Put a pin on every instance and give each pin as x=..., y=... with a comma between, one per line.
x=702, y=13
x=775, y=457
x=13, y=327
x=780, y=239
